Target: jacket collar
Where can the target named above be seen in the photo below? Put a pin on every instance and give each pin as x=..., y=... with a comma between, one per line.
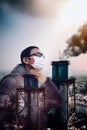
x=20, y=69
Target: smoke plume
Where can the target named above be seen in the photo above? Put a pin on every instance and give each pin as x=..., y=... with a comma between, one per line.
x=77, y=43
x=35, y=7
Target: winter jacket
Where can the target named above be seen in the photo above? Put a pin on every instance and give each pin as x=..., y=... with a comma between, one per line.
x=8, y=99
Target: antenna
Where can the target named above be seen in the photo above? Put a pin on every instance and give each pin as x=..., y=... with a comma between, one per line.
x=59, y=55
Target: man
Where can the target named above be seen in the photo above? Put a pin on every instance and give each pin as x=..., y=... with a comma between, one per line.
x=32, y=63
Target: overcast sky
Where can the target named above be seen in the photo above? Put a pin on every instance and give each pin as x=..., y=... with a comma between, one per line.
x=44, y=23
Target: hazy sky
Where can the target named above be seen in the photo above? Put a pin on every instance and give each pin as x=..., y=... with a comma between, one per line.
x=44, y=23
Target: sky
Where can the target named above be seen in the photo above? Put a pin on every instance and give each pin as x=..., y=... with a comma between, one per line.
x=44, y=23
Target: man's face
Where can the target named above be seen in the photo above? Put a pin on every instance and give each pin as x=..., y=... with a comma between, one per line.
x=35, y=60
x=34, y=52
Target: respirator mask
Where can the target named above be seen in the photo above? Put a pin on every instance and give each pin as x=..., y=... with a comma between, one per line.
x=39, y=62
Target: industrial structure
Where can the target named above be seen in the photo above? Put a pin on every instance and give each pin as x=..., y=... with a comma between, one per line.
x=28, y=108
x=75, y=109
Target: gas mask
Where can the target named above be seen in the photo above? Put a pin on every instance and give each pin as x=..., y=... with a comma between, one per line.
x=39, y=62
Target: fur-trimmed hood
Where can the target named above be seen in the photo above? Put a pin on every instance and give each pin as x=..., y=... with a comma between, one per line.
x=19, y=69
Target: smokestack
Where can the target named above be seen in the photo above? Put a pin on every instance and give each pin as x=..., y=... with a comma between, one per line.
x=60, y=69
x=77, y=43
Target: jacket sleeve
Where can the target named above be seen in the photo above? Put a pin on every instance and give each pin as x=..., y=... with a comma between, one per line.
x=7, y=96
x=53, y=96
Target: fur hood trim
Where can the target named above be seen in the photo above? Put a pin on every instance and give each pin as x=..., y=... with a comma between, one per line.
x=19, y=69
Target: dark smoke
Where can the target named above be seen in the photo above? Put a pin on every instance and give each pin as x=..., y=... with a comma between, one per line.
x=14, y=3
x=39, y=8
x=77, y=43
x=33, y=8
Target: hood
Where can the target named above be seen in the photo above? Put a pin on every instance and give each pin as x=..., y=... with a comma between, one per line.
x=19, y=69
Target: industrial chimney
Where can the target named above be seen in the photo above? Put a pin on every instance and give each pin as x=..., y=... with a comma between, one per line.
x=60, y=69
x=63, y=82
